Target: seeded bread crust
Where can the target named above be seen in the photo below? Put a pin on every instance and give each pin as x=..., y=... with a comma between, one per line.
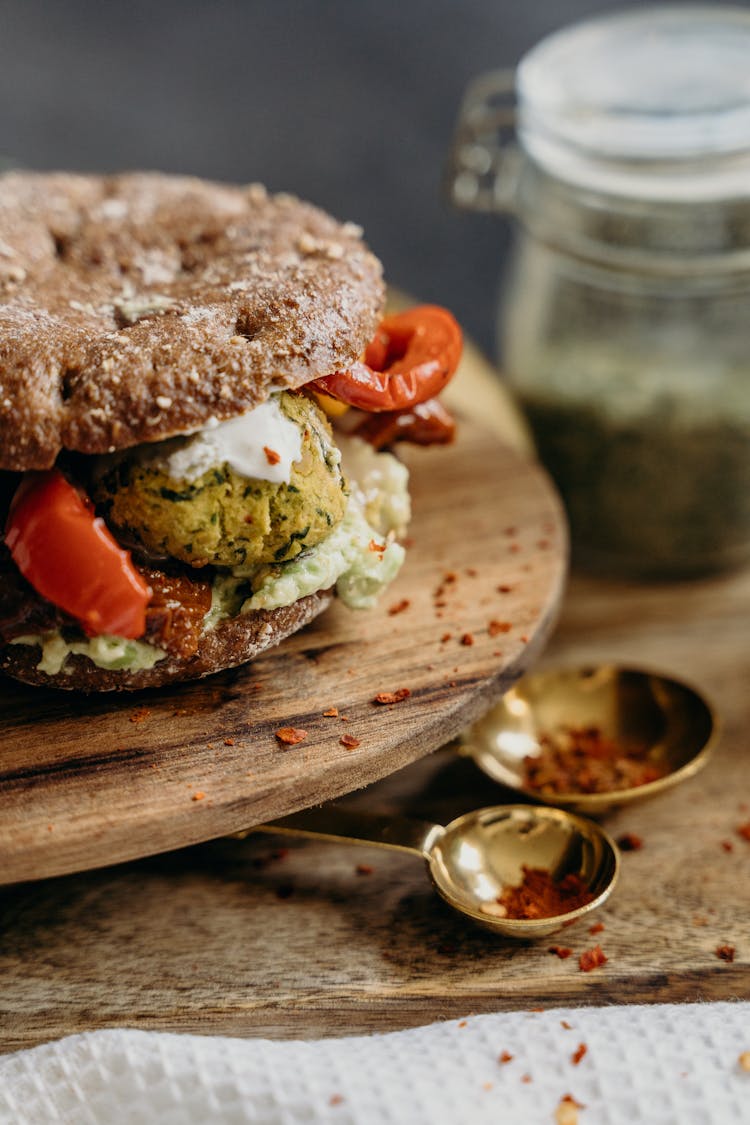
x=232, y=642
x=138, y=306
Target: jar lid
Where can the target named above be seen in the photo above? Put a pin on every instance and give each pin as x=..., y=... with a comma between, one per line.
x=653, y=103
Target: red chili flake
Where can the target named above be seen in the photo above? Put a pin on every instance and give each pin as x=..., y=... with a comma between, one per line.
x=725, y=952
x=541, y=896
x=467, y=639
x=450, y=576
x=462, y=1023
x=629, y=842
x=364, y=869
x=472, y=571
x=505, y=1057
x=727, y=845
x=198, y=796
x=392, y=696
x=331, y=713
x=140, y=715
x=378, y=548
x=349, y=741
x=290, y=736
x=248, y=519
x=744, y=831
x=592, y=959
x=399, y=607
x=526, y=1078
x=496, y=627
x=578, y=1054
x=524, y=639
x=566, y=1025
x=445, y=638
x=514, y=548
x=272, y=456
x=560, y=951
x=336, y=1099
x=50, y=828
x=504, y=589
x=596, y=928
x=229, y=742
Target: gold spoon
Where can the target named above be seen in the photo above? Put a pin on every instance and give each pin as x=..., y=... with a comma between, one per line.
x=475, y=857
x=671, y=720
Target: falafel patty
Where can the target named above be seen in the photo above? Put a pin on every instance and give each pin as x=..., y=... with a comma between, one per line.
x=223, y=518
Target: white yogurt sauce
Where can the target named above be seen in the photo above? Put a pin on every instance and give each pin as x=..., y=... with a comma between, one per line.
x=250, y=444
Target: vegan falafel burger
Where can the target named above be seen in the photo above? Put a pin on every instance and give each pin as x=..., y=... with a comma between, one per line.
x=198, y=392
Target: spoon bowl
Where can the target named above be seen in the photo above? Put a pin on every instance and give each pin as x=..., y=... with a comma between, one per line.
x=673, y=726
x=485, y=851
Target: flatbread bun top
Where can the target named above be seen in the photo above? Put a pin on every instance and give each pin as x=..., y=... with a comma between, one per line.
x=138, y=306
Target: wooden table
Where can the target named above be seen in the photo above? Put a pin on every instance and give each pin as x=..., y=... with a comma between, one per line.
x=267, y=938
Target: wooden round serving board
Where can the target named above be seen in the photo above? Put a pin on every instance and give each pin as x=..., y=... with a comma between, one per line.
x=89, y=781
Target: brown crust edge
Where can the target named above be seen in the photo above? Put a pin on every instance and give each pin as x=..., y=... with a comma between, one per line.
x=235, y=641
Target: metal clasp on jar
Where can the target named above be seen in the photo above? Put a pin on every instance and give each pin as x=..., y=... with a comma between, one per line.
x=484, y=160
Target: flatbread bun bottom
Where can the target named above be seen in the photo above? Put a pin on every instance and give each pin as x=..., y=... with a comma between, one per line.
x=232, y=642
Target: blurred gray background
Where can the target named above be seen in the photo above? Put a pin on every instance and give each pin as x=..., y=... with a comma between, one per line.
x=349, y=103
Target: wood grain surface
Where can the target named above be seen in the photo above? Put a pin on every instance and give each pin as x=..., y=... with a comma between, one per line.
x=268, y=937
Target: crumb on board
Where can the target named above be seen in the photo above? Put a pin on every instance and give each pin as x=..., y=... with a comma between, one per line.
x=398, y=607
x=290, y=736
x=398, y=696
x=629, y=842
x=592, y=959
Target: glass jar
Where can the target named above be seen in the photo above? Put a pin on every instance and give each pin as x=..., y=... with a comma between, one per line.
x=625, y=318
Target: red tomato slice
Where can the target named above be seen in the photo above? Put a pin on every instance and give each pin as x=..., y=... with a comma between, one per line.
x=410, y=360
x=69, y=556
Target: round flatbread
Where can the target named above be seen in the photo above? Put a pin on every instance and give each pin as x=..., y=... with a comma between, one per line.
x=232, y=642
x=139, y=306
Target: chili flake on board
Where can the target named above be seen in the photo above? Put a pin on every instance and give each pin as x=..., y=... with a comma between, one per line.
x=384, y=697
x=290, y=736
x=592, y=959
x=585, y=760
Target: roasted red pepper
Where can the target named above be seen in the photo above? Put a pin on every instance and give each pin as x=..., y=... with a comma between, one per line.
x=411, y=359
x=427, y=423
x=68, y=555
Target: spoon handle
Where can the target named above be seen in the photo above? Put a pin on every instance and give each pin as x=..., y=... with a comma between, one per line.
x=332, y=822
